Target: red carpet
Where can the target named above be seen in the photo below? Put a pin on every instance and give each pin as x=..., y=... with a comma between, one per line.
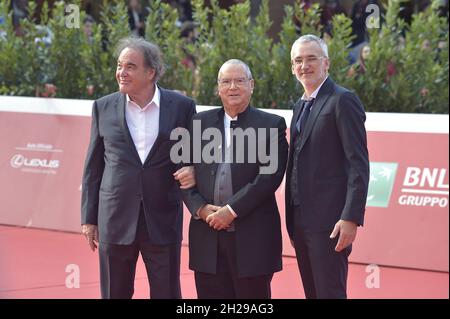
x=33, y=265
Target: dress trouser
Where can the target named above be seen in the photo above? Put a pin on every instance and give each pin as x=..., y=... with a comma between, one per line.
x=118, y=266
x=226, y=284
x=323, y=270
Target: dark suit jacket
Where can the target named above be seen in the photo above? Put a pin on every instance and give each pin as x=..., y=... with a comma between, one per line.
x=115, y=181
x=132, y=23
x=257, y=227
x=333, y=170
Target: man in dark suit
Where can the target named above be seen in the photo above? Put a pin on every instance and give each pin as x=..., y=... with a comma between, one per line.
x=131, y=202
x=328, y=172
x=235, y=233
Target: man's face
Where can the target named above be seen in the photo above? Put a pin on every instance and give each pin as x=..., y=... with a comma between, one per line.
x=309, y=65
x=234, y=87
x=132, y=75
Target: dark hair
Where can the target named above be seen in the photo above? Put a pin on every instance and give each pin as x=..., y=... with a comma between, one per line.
x=151, y=52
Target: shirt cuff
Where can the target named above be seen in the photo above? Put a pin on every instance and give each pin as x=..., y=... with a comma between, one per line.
x=196, y=216
x=232, y=211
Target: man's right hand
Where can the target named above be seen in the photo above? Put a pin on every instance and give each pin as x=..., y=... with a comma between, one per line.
x=91, y=233
x=186, y=177
x=207, y=210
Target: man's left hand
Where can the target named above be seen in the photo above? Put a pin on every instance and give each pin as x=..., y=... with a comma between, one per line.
x=347, y=233
x=186, y=177
x=221, y=219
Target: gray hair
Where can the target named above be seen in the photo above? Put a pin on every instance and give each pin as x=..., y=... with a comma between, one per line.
x=238, y=62
x=310, y=38
x=152, y=54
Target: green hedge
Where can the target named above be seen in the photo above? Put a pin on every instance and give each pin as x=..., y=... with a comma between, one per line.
x=73, y=64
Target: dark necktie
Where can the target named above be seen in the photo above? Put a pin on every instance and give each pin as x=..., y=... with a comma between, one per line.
x=300, y=125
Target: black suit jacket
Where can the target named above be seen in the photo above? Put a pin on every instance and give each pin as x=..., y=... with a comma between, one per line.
x=257, y=227
x=333, y=170
x=115, y=181
x=132, y=23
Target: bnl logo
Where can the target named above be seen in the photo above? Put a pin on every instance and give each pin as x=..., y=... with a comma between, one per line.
x=381, y=183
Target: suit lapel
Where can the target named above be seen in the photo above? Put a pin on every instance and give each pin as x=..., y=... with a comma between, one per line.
x=218, y=124
x=213, y=121
x=165, y=109
x=323, y=95
x=244, y=121
x=296, y=113
x=123, y=125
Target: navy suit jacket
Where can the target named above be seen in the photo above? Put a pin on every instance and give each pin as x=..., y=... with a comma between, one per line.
x=333, y=162
x=115, y=181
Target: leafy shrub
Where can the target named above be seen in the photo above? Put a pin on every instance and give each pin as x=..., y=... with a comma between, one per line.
x=413, y=78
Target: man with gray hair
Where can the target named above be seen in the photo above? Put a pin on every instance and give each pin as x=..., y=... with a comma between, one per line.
x=131, y=202
x=235, y=230
x=328, y=172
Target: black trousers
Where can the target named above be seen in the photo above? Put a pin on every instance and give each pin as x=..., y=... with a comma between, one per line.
x=226, y=284
x=118, y=267
x=323, y=270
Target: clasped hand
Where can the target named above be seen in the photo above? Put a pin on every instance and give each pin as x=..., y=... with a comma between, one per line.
x=216, y=217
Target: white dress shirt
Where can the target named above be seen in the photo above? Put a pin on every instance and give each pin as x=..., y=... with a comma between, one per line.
x=143, y=123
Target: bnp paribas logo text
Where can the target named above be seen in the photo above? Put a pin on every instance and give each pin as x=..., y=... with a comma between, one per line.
x=382, y=177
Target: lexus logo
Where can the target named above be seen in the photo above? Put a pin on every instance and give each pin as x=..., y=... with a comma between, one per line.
x=18, y=160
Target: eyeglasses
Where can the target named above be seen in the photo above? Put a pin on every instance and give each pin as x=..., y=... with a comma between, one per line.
x=309, y=60
x=239, y=82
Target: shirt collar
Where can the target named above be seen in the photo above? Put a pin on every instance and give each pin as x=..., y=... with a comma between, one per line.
x=156, y=99
x=229, y=118
x=316, y=91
